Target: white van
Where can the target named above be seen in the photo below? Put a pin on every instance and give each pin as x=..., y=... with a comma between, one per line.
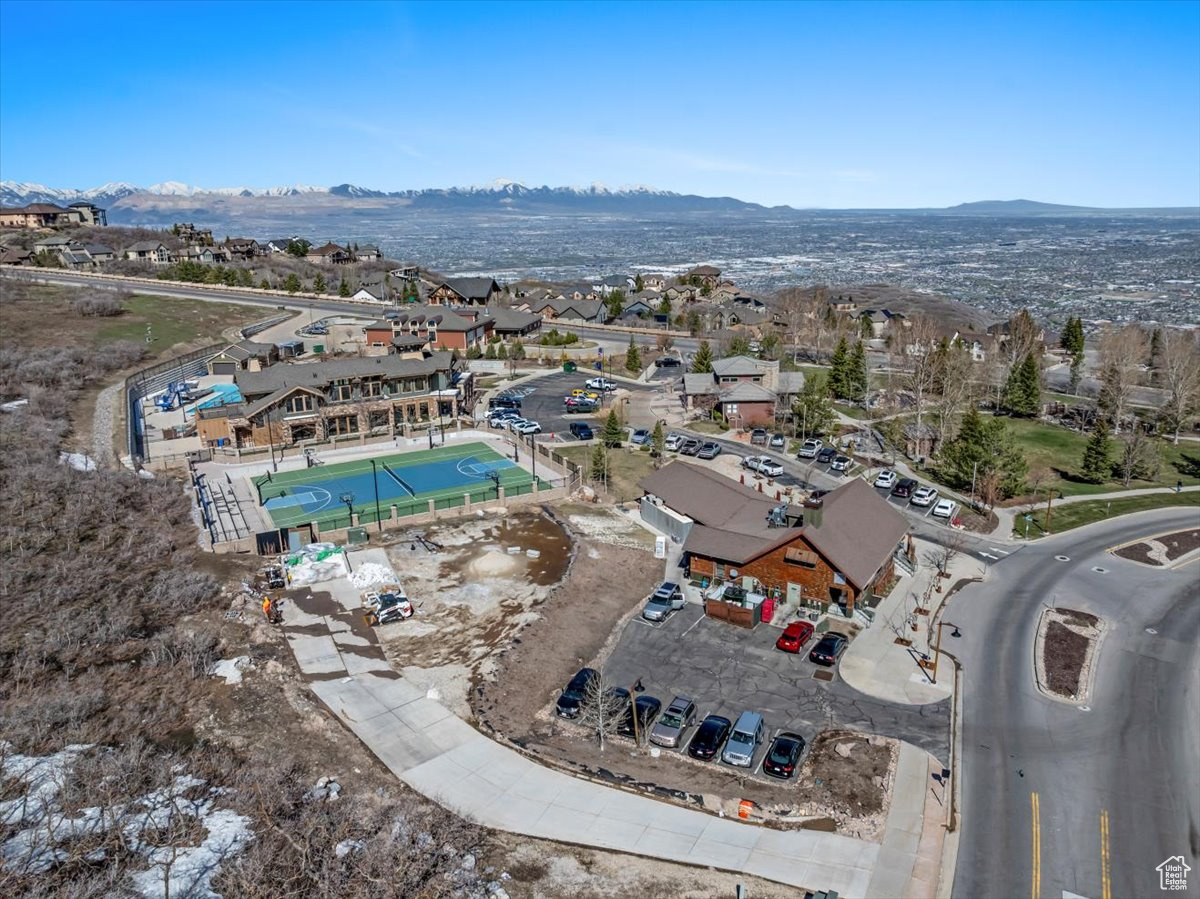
x=743, y=740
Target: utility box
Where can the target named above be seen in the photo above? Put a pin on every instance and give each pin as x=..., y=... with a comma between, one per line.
x=356, y=536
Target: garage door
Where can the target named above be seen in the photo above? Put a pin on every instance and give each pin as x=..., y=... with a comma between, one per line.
x=224, y=368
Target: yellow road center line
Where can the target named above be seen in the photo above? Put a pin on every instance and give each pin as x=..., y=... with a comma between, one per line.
x=1036, y=864
x=1105, y=858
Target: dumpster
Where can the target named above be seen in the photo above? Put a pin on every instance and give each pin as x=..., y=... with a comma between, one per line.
x=318, y=348
x=568, y=367
x=356, y=536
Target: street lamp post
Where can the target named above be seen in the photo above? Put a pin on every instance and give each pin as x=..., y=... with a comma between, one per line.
x=375, y=482
x=937, y=651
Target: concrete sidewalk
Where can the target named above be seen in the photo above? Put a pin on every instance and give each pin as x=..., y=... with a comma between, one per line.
x=444, y=758
x=877, y=665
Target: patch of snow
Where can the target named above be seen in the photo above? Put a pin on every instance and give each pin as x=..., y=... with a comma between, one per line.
x=13, y=405
x=189, y=871
x=370, y=573
x=78, y=461
x=231, y=669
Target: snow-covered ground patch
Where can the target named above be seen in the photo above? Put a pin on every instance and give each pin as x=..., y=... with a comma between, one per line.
x=78, y=461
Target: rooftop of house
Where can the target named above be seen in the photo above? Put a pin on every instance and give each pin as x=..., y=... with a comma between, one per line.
x=855, y=530
x=145, y=246
x=319, y=374
x=513, y=319
x=732, y=366
x=439, y=317
x=326, y=250
x=472, y=288
x=705, y=270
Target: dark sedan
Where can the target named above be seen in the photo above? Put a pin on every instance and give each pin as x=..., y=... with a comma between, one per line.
x=826, y=455
x=648, y=708
x=828, y=649
x=783, y=756
x=572, y=697
x=710, y=737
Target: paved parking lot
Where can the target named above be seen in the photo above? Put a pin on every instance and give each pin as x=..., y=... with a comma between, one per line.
x=728, y=670
x=544, y=402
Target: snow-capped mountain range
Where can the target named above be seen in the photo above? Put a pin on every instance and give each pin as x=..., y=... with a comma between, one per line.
x=500, y=194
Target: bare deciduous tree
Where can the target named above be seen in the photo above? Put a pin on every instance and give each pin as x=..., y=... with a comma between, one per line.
x=1179, y=374
x=1139, y=456
x=1122, y=351
x=915, y=355
x=603, y=705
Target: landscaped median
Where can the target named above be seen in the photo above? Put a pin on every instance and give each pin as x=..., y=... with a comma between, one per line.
x=1065, y=516
x=1065, y=654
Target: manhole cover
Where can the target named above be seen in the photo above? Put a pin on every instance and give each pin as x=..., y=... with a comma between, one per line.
x=1063, y=558
x=1151, y=631
x=822, y=675
x=1085, y=708
x=1099, y=570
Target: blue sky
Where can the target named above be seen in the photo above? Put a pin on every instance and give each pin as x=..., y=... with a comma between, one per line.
x=826, y=105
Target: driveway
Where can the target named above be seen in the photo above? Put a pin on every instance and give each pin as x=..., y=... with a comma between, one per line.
x=728, y=670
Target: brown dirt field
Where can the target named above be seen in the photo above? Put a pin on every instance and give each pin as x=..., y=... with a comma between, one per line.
x=852, y=785
x=604, y=583
x=1169, y=547
x=1137, y=552
x=1063, y=651
x=1181, y=543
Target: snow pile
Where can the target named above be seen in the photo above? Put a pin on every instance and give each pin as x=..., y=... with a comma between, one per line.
x=78, y=461
x=371, y=573
x=13, y=405
x=230, y=669
x=41, y=828
x=315, y=563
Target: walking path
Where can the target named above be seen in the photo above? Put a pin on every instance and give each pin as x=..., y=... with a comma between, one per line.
x=1008, y=516
x=444, y=758
x=877, y=665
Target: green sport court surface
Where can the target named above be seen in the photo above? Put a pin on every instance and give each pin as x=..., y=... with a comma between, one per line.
x=406, y=480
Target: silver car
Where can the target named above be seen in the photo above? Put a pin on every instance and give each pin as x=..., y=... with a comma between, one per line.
x=743, y=740
x=673, y=723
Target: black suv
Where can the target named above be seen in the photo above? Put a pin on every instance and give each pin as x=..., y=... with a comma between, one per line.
x=668, y=361
x=710, y=737
x=826, y=455
x=904, y=487
x=581, y=431
x=572, y=697
x=504, y=402
x=647, y=710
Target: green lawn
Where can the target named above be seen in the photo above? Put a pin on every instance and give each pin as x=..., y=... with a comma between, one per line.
x=1073, y=515
x=1060, y=451
x=175, y=321
x=705, y=426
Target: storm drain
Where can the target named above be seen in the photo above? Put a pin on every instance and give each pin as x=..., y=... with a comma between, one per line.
x=1063, y=558
x=822, y=675
x=1100, y=570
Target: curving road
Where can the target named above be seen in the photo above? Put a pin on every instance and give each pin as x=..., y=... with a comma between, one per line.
x=1058, y=800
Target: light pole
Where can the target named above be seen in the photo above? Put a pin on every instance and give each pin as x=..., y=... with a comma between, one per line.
x=937, y=651
x=375, y=482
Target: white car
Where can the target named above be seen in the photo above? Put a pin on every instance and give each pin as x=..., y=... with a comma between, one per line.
x=886, y=479
x=528, y=427
x=945, y=508
x=841, y=463
x=810, y=449
x=769, y=467
x=600, y=384
x=923, y=496
x=513, y=423
x=752, y=462
x=674, y=441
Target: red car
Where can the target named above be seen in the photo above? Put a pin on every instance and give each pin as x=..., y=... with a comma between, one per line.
x=794, y=636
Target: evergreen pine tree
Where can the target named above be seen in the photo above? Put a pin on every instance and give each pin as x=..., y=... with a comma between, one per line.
x=319, y=283
x=264, y=284
x=633, y=357
x=856, y=373
x=839, y=385
x=292, y=283
x=703, y=360
x=613, y=432
x=490, y=352
x=344, y=288
x=638, y=284
x=1031, y=385
x=599, y=462
x=658, y=440
x=502, y=352
x=518, y=351
x=1096, y=465
x=812, y=413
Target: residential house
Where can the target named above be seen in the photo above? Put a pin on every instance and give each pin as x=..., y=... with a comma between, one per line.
x=649, y=282
x=367, y=254
x=153, y=252
x=76, y=258
x=465, y=292
x=844, y=304
x=100, y=253
x=637, y=309
x=378, y=291
x=280, y=245
x=442, y=328
x=190, y=234
x=329, y=254
x=39, y=215
x=242, y=248
x=290, y=404
x=15, y=256
x=572, y=310
x=55, y=245
x=746, y=392
x=406, y=271
x=90, y=213
x=245, y=355
x=204, y=255
x=608, y=284
x=683, y=293
x=514, y=323
x=703, y=276
x=881, y=321
x=833, y=552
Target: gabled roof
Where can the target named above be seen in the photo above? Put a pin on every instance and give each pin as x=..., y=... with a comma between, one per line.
x=318, y=374
x=735, y=366
x=705, y=270
x=699, y=384
x=472, y=288
x=328, y=250
x=513, y=319
x=272, y=398
x=856, y=530
x=746, y=392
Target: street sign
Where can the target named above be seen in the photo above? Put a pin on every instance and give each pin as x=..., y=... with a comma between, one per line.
x=1028, y=517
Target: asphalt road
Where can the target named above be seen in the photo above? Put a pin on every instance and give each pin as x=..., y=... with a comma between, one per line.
x=728, y=670
x=1120, y=779
x=544, y=402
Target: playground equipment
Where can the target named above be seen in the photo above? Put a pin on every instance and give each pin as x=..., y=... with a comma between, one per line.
x=175, y=394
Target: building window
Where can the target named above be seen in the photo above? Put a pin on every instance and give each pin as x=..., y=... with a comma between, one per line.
x=301, y=402
x=372, y=388
x=341, y=424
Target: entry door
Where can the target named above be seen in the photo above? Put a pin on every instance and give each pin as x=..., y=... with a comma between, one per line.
x=295, y=540
x=794, y=592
